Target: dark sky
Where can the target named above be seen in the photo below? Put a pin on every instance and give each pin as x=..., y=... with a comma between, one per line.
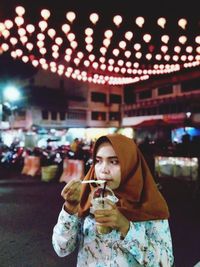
x=147, y=7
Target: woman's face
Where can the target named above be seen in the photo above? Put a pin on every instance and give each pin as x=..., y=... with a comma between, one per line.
x=107, y=165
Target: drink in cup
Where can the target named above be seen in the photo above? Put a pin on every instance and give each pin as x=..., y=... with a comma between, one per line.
x=99, y=197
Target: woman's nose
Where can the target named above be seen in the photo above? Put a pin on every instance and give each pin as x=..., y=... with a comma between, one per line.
x=105, y=168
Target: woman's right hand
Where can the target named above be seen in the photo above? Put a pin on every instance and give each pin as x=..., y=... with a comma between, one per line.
x=72, y=195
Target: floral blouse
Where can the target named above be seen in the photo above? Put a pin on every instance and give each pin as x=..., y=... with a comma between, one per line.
x=147, y=243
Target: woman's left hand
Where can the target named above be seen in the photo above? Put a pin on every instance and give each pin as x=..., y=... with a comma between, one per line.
x=113, y=218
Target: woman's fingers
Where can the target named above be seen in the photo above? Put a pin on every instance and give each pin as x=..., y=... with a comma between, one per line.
x=72, y=190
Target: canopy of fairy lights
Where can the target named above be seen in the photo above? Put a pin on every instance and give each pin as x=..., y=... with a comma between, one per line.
x=93, y=48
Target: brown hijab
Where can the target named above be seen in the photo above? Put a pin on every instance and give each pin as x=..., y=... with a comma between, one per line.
x=139, y=198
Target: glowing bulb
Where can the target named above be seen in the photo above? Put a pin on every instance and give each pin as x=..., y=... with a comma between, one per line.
x=20, y=10
x=117, y=20
x=51, y=33
x=74, y=44
x=116, y=52
x=71, y=16
x=139, y=21
x=182, y=23
x=106, y=42
x=161, y=22
x=88, y=31
x=19, y=21
x=8, y=23
x=197, y=39
x=71, y=36
x=108, y=34
x=147, y=38
x=182, y=39
x=165, y=39
x=129, y=35
x=43, y=25
x=94, y=18
x=88, y=40
x=127, y=53
x=45, y=13
x=30, y=28
x=65, y=28
x=122, y=44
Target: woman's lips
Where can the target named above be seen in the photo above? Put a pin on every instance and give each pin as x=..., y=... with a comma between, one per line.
x=106, y=179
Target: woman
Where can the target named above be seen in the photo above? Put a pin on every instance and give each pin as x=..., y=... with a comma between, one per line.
x=140, y=233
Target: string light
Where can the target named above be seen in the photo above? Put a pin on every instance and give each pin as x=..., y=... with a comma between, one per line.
x=121, y=54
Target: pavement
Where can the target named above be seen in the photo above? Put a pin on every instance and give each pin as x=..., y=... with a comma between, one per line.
x=10, y=176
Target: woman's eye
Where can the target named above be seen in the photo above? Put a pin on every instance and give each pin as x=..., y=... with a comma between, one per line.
x=97, y=161
x=115, y=162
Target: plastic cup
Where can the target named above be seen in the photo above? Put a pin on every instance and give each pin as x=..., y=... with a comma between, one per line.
x=99, y=203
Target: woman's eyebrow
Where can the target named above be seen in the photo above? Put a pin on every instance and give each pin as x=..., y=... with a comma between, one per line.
x=111, y=157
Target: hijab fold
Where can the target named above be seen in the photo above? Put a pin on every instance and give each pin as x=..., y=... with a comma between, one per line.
x=139, y=197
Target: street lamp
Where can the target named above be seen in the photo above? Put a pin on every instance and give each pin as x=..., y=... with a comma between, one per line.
x=11, y=94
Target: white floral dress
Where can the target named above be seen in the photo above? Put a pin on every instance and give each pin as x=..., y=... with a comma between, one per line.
x=147, y=243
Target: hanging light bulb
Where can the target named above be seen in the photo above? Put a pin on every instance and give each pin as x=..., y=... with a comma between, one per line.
x=45, y=13
x=88, y=40
x=68, y=51
x=137, y=46
x=5, y=34
x=164, y=48
x=74, y=44
x=80, y=55
x=108, y=34
x=103, y=50
x=55, y=48
x=197, y=39
x=111, y=61
x=94, y=18
x=65, y=28
x=89, y=47
x=19, y=21
x=102, y=59
x=127, y=53
x=91, y=57
x=71, y=37
x=182, y=39
x=122, y=44
x=182, y=23
x=129, y=35
x=43, y=25
x=24, y=39
x=138, y=55
x=116, y=52
x=29, y=46
x=165, y=39
x=177, y=49
x=117, y=20
x=88, y=31
x=189, y=49
x=147, y=38
x=139, y=21
x=51, y=33
x=161, y=22
x=71, y=16
x=106, y=42
x=9, y=24
x=13, y=40
x=30, y=28
x=20, y=10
